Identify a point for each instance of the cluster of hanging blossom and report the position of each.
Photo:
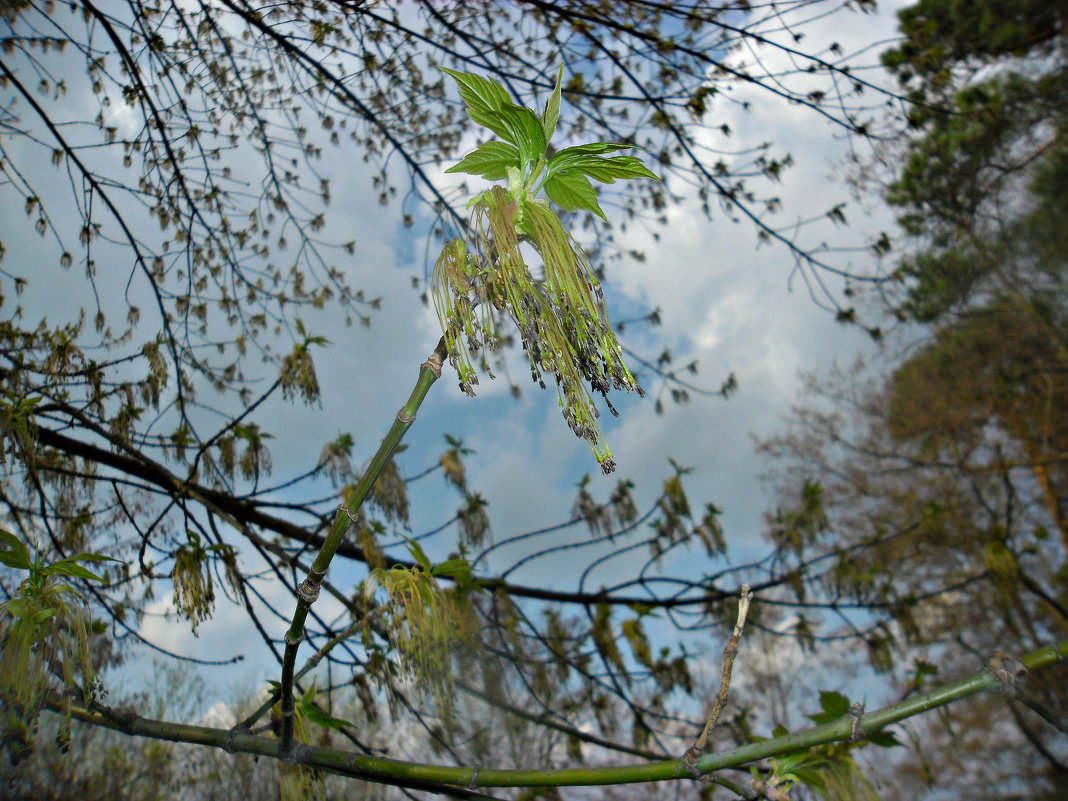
(561, 317)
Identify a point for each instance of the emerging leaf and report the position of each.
(490, 160)
(594, 148)
(68, 567)
(313, 713)
(884, 739)
(418, 554)
(18, 556)
(524, 130)
(573, 192)
(834, 705)
(551, 115)
(482, 96)
(600, 168)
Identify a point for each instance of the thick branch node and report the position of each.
(296, 754)
(124, 717)
(308, 591)
(436, 359)
(689, 760)
(856, 733)
(228, 743)
(1007, 672)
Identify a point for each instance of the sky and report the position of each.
(725, 301)
(733, 306)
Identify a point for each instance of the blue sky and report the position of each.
(725, 302)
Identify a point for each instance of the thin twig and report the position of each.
(730, 651)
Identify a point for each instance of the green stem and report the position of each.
(314, 660)
(436, 777)
(308, 590)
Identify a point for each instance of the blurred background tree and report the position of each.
(957, 459)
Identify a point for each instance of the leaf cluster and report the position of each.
(565, 175)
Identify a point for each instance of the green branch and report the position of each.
(463, 780)
(308, 591)
(312, 662)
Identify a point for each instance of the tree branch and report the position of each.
(464, 781)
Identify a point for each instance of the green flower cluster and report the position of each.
(45, 648)
(561, 317)
(423, 625)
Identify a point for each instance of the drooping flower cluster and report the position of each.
(561, 317)
(423, 626)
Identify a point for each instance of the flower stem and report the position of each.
(308, 590)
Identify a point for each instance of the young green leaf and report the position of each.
(595, 148)
(419, 555)
(523, 129)
(600, 168)
(318, 716)
(458, 569)
(810, 777)
(551, 115)
(483, 98)
(18, 557)
(834, 705)
(20, 608)
(97, 557)
(573, 191)
(883, 738)
(490, 160)
(478, 93)
(70, 567)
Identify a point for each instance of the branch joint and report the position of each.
(856, 732)
(308, 590)
(1006, 671)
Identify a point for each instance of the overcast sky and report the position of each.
(725, 302)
